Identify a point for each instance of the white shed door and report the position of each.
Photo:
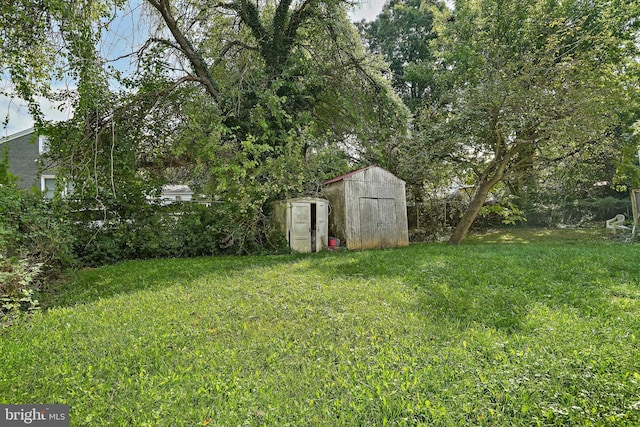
(322, 226)
(300, 227)
(378, 223)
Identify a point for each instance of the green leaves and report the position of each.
(402, 34)
(527, 86)
(48, 42)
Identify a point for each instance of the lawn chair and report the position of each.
(617, 223)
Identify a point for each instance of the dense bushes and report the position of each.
(34, 244)
(580, 211)
(18, 286)
(168, 231)
(33, 228)
(39, 238)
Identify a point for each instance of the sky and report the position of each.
(367, 10)
(19, 118)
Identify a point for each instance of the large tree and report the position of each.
(247, 96)
(245, 56)
(526, 83)
(284, 82)
(402, 33)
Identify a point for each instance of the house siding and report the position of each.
(23, 153)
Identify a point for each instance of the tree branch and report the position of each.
(200, 67)
(250, 15)
(577, 150)
(357, 63)
(166, 42)
(230, 45)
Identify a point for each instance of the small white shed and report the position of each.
(304, 222)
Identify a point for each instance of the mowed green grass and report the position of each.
(509, 329)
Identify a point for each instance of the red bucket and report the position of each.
(332, 242)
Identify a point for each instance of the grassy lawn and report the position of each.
(509, 329)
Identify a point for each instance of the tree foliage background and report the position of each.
(244, 101)
(525, 98)
(248, 102)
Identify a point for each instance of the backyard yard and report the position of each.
(512, 328)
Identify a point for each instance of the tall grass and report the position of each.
(540, 331)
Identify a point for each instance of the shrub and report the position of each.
(173, 231)
(33, 228)
(18, 284)
(578, 211)
(34, 244)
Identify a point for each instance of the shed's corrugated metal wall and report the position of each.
(337, 214)
(369, 209)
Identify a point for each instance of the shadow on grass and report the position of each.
(526, 235)
(492, 284)
(91, 284)
(496, 285)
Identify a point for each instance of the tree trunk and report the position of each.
(479, 196)
(486, 181)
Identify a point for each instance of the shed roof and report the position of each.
(355, 172)
(302, 199)
(348, 174)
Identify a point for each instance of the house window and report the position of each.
(48, 185)
(43, 144)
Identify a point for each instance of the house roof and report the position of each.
(16, 135)
(176, 189)
(346, 175)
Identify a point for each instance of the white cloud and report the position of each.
(19, 119)
(367, 10)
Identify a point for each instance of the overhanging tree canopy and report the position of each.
(402, 32)
(248, 95)
(526, 82)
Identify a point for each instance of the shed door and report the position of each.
(378, 223)
(300, 229)
(388, 224)
(321, 226)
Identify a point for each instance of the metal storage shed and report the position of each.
(304, 222)
(368, 209)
